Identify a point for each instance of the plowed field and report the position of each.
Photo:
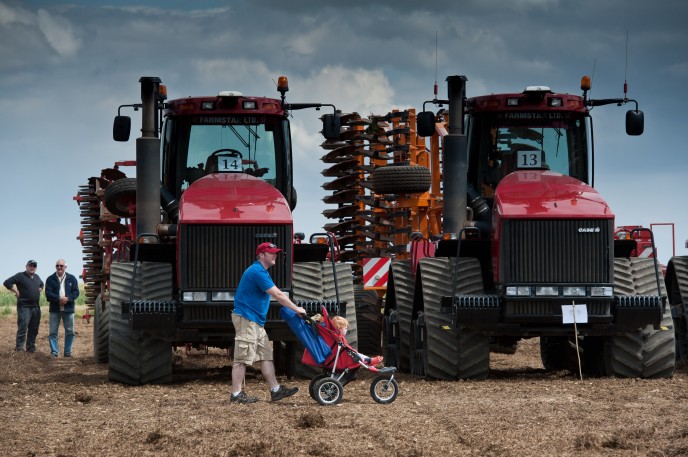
(67, 407)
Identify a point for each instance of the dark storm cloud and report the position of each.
(66, 67)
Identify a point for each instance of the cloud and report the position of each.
(349, 89)
(9, 15)
(679, 69)
(241, 72)
(67, 65)
(59, 32)
(24, 35)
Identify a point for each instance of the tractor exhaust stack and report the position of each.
(148, 161)
(455, 158)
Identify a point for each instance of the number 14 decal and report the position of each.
(229, 164)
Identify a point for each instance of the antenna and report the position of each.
(626, 70)
(435, 88)
(592, 78)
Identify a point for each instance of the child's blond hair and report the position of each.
(339, 322)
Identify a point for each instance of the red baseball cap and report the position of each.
(267, 247)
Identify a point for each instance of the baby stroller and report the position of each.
(341, 365)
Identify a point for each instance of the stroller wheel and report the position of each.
(328, 391)
(311, 385)
(384, 389)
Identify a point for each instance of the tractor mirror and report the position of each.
(425, 122)
(332, 126)
(121, 128)
(635, 122)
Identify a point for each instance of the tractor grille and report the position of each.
(215, 256)
(529, 309)
(556, 251)
(206, 313)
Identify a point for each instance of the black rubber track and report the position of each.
(138, 360)
(452, 353)
(369, 321)
(101, 331)
(646, 352)
(677, 292)
(403, 292)
(391, 345)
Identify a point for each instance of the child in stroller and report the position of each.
(327, 388)
(342, 325)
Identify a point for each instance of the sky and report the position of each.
(65, 67)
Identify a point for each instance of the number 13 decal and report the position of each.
(529, 159)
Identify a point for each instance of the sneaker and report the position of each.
(242, 398)
(377, 360)
(283, 392)
(53, 355)
(68, 354)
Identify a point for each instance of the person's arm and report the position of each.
(10, 283)
(52, 293)
(284, 300)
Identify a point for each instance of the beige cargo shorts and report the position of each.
(251, 343)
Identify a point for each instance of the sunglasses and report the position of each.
(60, 266)
(33, 265)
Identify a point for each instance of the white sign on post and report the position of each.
(574, 314)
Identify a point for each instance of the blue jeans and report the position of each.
(28, 321)
(67, 319)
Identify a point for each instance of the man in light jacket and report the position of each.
(61, 289)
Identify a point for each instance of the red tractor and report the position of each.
(496, 233)
(164, 251)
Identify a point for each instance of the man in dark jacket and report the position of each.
(27, 287)
(61, 289)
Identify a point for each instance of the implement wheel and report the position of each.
(401, 179)
(120, 197)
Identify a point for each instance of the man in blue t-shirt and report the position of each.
(251, 343)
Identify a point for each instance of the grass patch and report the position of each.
(8, 303)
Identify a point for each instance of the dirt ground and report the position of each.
(67, 407)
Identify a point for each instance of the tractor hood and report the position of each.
(236, 197)
(542, 194)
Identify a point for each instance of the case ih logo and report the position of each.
(588, 230)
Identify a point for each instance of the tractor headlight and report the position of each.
(602, 291)
(574, 291)
(222, 296)
(194, 296)
(549, 291)
(518, 291)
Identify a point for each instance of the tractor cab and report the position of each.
(535, 130)
(226, 134)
